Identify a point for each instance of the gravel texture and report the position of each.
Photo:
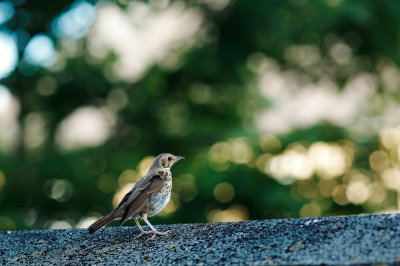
(361, 239)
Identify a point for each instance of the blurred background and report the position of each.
(281, 108)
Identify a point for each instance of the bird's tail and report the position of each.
(101, 222)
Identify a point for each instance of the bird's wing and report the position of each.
(138, 197)
(128, 197)
(132, 194)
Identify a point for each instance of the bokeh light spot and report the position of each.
(75, 22)
(224, 192)
(59, 189)
(291, 165)
(241, 151)
(379, 160)
(35, 130)
(6, 11)
(86, 222)
(391, 178)
(310, 210)
(40, 51)
(262, 162)
(269, 143)
(234, 213)
(2, 180)
(8, 54)
(127, 176)
(339, 195)
(304, 55)
(6, 223)
(341, 53)
(358, 192)
(85, 127)
(5, 98)
(30, 217)
(330, 159)
(129, 34)
(46, 85)
(390, 138)
(57, 224)
(220, 152)
(378, 193)
(9, 120)
(145, 164)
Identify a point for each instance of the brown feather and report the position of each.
(135, 207)
(155, 183)
(135, 191)
(101, 222)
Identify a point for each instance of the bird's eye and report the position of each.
(169, 158)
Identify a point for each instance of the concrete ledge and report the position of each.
(328, 240)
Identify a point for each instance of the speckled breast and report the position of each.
(158, 201)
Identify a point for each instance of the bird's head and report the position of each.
(165, 160)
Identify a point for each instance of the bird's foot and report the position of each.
(159, 234)
(144, 233)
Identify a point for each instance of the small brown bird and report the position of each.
(147, 197)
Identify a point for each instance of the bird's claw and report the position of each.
(144, 233)
(159, 234)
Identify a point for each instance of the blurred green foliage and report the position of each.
(203, 107)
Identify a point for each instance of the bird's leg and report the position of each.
(142, 232)
(144, 217)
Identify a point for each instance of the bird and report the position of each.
(146, 198)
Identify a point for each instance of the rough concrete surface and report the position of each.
(362, 239)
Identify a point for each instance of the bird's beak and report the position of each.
(178, 158)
